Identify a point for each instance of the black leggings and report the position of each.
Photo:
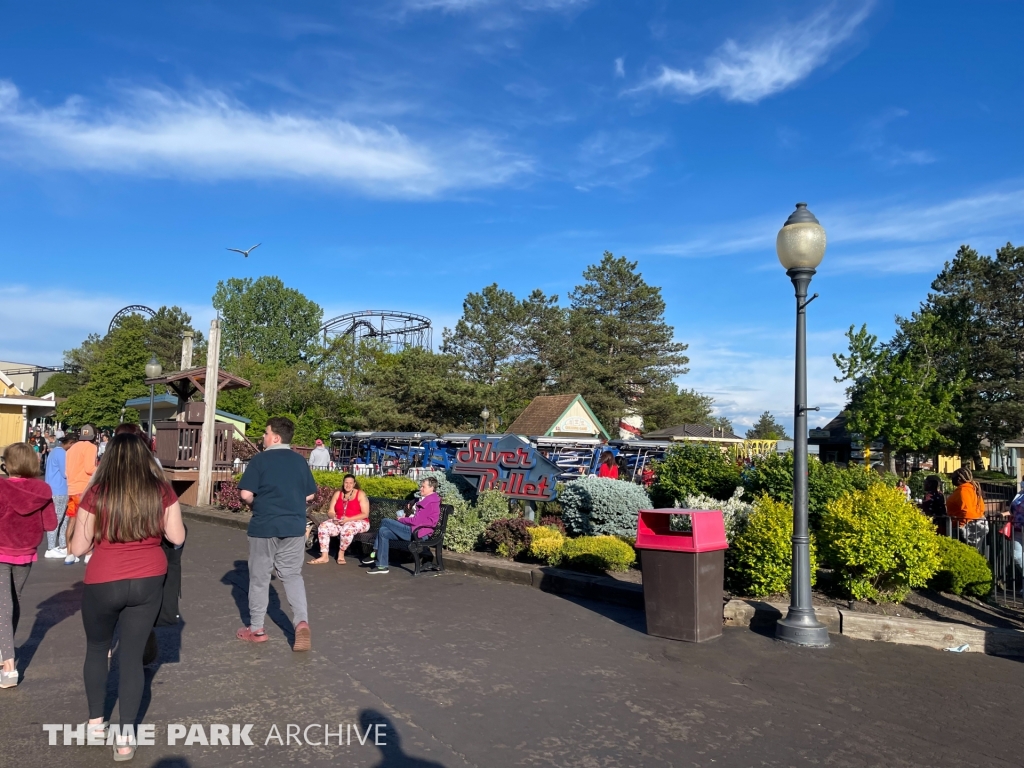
(134, 605)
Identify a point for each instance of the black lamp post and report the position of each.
(801, 246)
(153, 369)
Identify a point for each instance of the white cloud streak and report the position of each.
(463, 6)
(210, 136)
(749, 72)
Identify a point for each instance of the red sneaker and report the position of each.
(246, 634)
(302, 638)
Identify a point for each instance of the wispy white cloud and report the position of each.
(874, 142)
(210, 136)
(462, 6)
(615, 157)
(887, 236)
(620, 67)
(749, 72)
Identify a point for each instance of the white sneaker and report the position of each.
(88, 557)
(70, 560)
(56, 552)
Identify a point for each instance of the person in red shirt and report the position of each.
(123, 515)
(26, 510)
(608, 466)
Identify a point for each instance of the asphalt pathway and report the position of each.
(455, 671)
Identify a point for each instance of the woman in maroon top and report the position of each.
(122, 516)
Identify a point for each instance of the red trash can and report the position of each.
(684, 573)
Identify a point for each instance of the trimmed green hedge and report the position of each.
(602, 553)
(377, 487)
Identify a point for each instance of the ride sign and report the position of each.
(508, 464)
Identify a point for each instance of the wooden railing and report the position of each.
(178, 445)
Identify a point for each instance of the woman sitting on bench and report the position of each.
(349, 512)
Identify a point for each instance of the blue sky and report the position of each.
(399, 154)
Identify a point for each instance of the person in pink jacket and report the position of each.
(26, 511)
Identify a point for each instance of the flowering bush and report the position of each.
(600, 506)
(243, 449)
(735, 510)
(229, 497)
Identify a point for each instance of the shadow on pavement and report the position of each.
(51, 612)
(631, 618)
(169, 642)
(391, 752)
(238, 579)
(172, 762)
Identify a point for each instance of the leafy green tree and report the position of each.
(415, 390)
(895, 395)
(117, 367)
(690, 469)
(670, 406)
(266, 320)
(619, 347)
(165, 331)
(767, 428)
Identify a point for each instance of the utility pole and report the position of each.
(208, 446)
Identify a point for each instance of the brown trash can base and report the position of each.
(683, 594)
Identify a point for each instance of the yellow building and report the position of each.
(18, 410)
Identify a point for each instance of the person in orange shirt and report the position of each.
(966, 502)
(80, 466)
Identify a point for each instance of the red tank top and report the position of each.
(348, 508)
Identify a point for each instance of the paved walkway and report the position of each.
(463, 671)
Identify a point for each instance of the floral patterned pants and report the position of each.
(345, 531)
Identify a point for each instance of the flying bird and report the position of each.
(246, 253)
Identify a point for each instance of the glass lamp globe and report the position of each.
(153, 368)
(801, 241)
(485, 414)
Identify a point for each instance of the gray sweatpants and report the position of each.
(285, 556)
(58, 538)
(12, 581)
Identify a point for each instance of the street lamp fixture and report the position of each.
(485, 414)
(801, 247)
(153, 369)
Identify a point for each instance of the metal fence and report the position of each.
(997, 540)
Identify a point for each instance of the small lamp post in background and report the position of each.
(801, 246)
(153, 369)
(485, 414)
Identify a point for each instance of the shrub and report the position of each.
(509, 536)
(463, 532)
(879, 543)
(761, 557)
(546, 544)
(550, 521)
(243, 449)
(690, 469)
(229, 497)
(492, 505)
(772, 475)
(962, 570)
(598, 505)
(322, 500)
(735, 511)
(602, 553)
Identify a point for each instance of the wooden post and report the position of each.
(186, 351)
(207, 446)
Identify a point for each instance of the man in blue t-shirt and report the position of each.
(277, 483)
